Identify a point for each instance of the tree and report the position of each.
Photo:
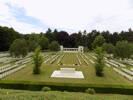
(98, 42)
(7, 36)
(63, 38)
(86, 49)
(99, 62)
(44, 43)
(32, 45)
(114, 38)
(49, 35)
(123, 49)
(37, 60)
(108, 47)
(19, 48)
(72, 40)
(54, 46)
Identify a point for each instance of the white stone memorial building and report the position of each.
(79, 49)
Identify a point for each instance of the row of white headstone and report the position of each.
(59, 60)
(10, 60)
(93, 56)
(108, 65)
(46, 55)
(78, 60)
(53, 60)
(4, 54)
(123, 74)
(85, 56)
(84, 59)
(92, 60)
(46, 61)
(127, 71)
(7, 59)
(7, 67)
(128, 61)
(111, 63)
(11, 71)
(29, 55)
(53, 56)
(117, 63)
(23, 61)
(26, 61)
(49, 59)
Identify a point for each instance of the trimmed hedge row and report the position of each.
(73, 87)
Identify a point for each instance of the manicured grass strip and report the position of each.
(57, 95)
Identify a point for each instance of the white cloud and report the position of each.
(113, 15)
(7, 19)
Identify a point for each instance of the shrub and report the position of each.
(61, 63)
(46, 89)
(90, 91)
(76, 64)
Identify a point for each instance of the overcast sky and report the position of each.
(28, 16)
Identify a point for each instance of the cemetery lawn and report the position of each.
(56, 95)
(110, 77)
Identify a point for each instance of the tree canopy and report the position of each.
(108, 47)
(19, 48)
(84, 38)
(98, 42)
(123, 49)
(54, 46)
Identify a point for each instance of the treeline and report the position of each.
(86, 39)
(8, 35)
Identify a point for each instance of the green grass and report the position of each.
(110, 77)
(69, 58)
(57, 95)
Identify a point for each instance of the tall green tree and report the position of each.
(98, 42)
(99, 66)
(37, 61)
(123, 49)
(44, 43)
(19, 48)
(54, 46)
(108, 47)
(7, 36)
(32, 45)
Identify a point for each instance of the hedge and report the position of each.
(73, 87)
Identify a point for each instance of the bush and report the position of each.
(76, 64)
(90, 91)
(61, 63)
(46, 89)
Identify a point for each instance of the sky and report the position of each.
(27, 16)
